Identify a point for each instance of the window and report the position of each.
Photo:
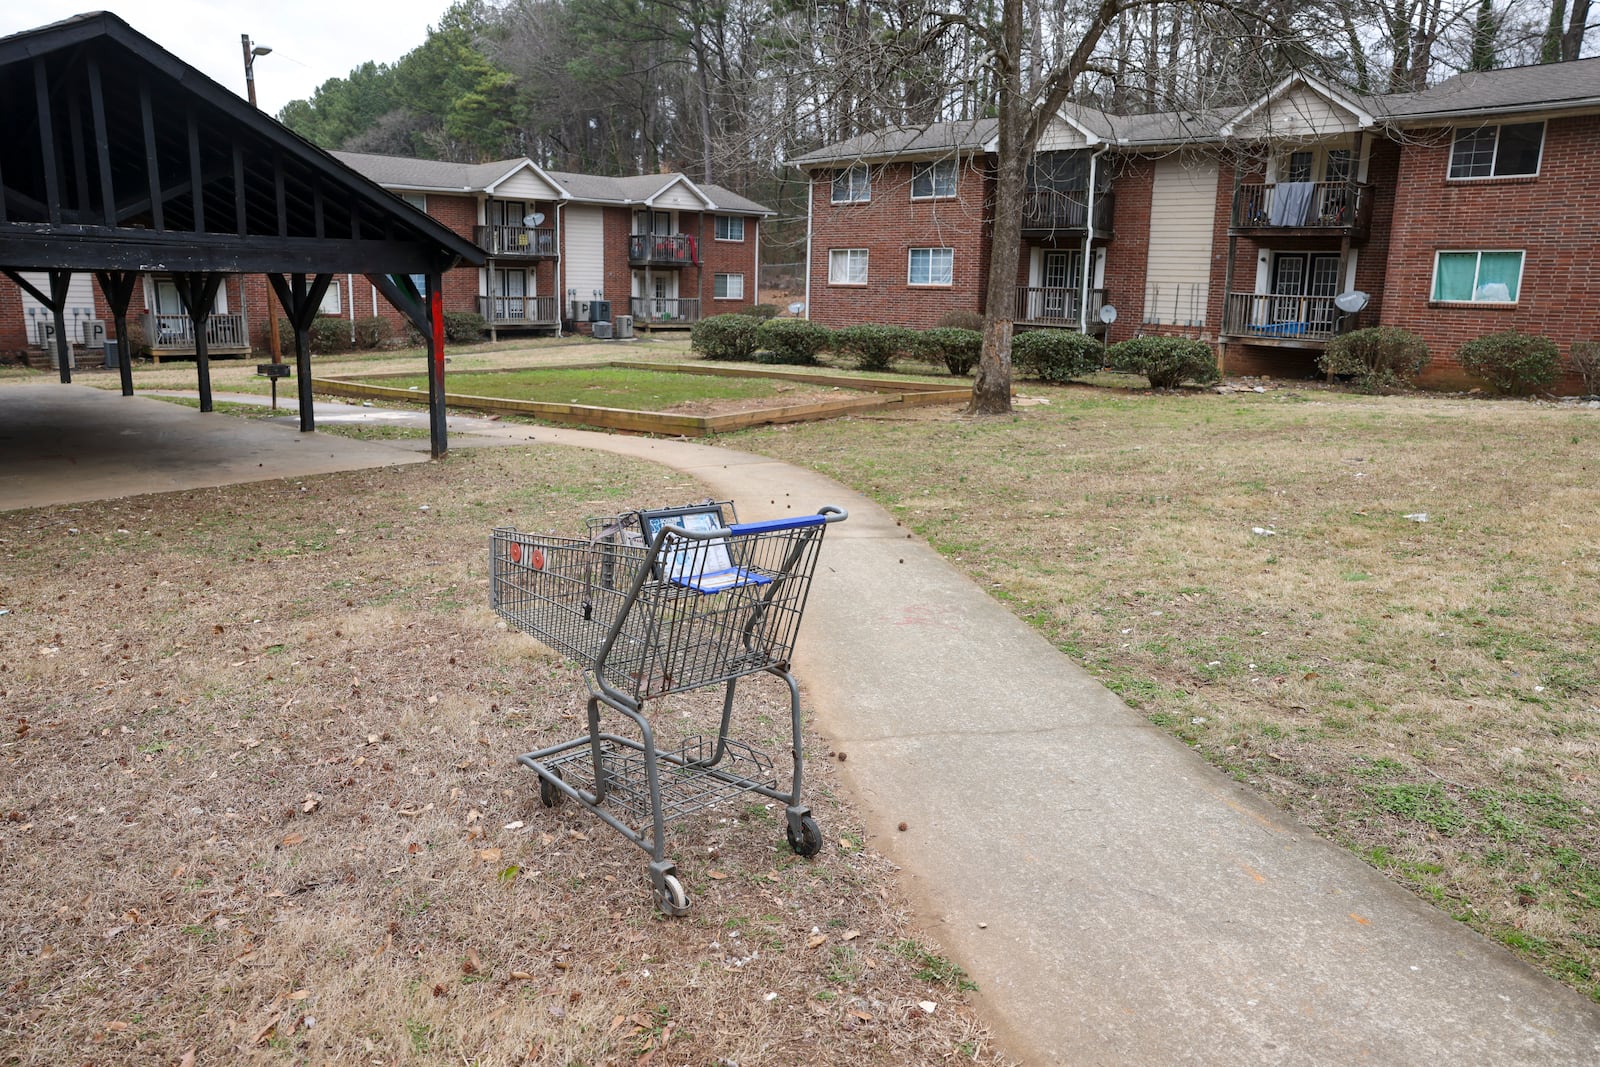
(730, 228)
(330, 300)
(929, 180)
(847, 266)
(1477, 277)
(931, 266)
(851, 186)
(729, 287)
(1497, 151)
(1338, 165)
(416, 200)
(1298, 167)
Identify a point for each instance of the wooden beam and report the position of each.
(102, 143)
(300, 303)
(403, 297)
(438, 435)
(197, 189)
(80, 157)
(37, 247)
(151, 157)
(60, 283)
(47, 142)
(241, 214)
(118, 289)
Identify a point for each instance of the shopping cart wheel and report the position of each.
(807, 841)
(674, 900)
(549, 794)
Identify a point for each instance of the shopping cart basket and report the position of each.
(691, 601)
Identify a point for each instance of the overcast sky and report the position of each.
(311, 40)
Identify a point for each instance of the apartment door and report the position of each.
(1062, 275)
(1303, 287)
(511, 291)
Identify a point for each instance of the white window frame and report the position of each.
(720, 282)
(725, 223)
(949, 256)
(930, 173)
(1433, 282)
(1494, 160)
(847, 256)
(854, 191)
(331, 302)
(416, 200)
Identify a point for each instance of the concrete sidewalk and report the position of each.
(1117, 900)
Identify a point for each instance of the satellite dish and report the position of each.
(1108, 314)
(1351, 302)
(533, 220)
(796, 307)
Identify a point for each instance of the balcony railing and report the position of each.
(1053, 210)
(1289, 319)
(518, 310)
(175, 333)
(516, 242)
(662, 250)
(1331, 206)
(659, 310)
(1040, 305)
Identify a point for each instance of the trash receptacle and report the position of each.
(113, 356)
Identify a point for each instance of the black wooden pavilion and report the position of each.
(119, 159)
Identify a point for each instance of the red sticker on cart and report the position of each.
(536, 559)
(516, 552)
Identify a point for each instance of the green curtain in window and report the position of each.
(1453, 279)
(1496, 269)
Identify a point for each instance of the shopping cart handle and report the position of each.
(828, 513)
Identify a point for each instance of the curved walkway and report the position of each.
(1117, 900)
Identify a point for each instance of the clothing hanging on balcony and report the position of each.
(1290, 201)
(694, 251)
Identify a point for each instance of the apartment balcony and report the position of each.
(516, 242)
(664, 311)
(671, 251)
(1283, 321)
(173, 335)
(1039, 305)
(519, 310)
(1303, 209)
(1050, 211)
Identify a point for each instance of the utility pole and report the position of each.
(251, 51)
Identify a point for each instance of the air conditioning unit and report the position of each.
(46, 332)
(580, 311)
(602, 330)
(623, 325)
(94, 332)
(599, 311)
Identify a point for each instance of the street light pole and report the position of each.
(252, 50)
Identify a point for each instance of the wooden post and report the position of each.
(60, 280)
(117, 285)
(300, 303)
(437, 431)
(198, 292)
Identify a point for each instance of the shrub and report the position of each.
(725, 337)
(791, 340)
(763, 311)
(372, 332)
(1055, 355)
(961, 320)
(1166, 361)
(463, 327)
(874, 346)
(1585, 356)
(1513, 363)
(957, 348)
(328, 333)
(1379, 357)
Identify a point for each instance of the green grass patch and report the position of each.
(613, 387)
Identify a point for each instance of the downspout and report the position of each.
(561, 267)
(1086, 268)
(350, 284)
(758, 260)
(811, 182)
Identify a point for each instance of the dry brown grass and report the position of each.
(260, 804)
(1242, 569)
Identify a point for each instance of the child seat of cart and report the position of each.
(710, 564)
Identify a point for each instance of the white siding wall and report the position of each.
(80, 294)
(678, 197)
(524, 185)
(1182, 210)
(1300, 113)
(585, 243)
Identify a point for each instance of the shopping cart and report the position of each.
(654, 603)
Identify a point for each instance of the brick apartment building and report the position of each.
(1468, 208)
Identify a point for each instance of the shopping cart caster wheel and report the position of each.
(549, 794)
(808, 841)
(671, 897)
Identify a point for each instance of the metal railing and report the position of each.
(1282, 318)
(174, 333)
(661, 250)
(518, 310)
(1302, 205)
(515, 241)
(660, 309)
(1043, 305)
(1051, 209)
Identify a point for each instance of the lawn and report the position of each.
(635, 390)
(259, 804)
(1379, 612)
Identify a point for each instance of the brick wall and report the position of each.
(889, 226)
(1128, 255)
(1553, 218)
(728, 257)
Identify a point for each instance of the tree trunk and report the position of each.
(1572, 40)
(991, 388)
